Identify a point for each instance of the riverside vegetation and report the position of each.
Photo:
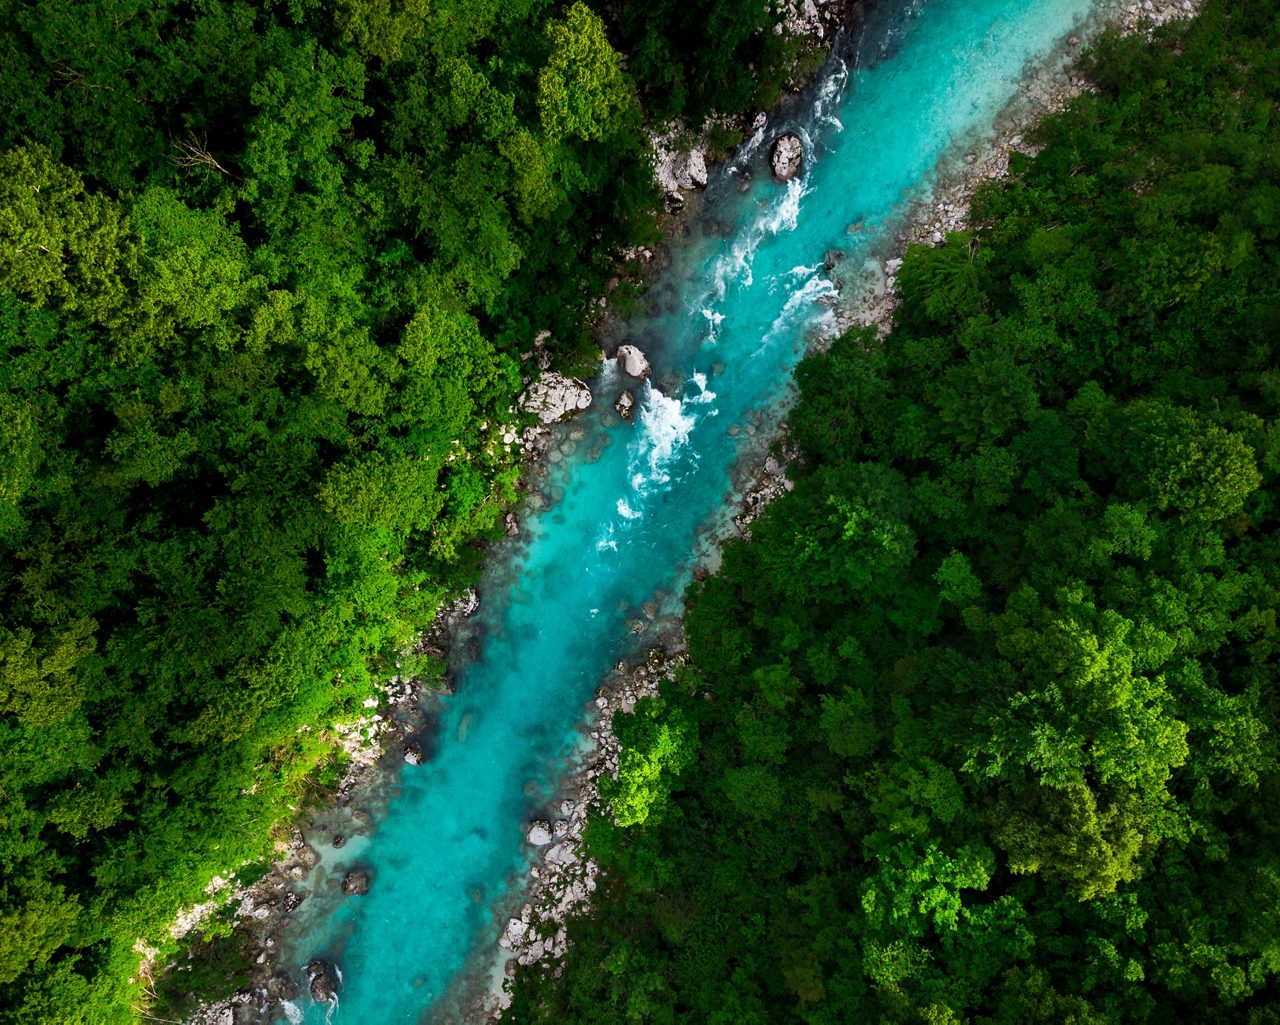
(267, 273)
(982, 726)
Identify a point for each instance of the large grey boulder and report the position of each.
(539, 833)
(625, 404)
(787, 157)
(632, 362)
(355, 883)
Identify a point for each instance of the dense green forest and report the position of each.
(983, 721)
(267, 272)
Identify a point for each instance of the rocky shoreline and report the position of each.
(946, 208)
(562, 880)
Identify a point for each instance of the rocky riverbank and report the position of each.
(562, 879)
(873, 289)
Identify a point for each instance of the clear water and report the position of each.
(631, 501)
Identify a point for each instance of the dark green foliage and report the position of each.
(693, 58)
(985, 712)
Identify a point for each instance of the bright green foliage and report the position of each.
(659, 744)
(266, 276)
(581, 91)
(986, 709)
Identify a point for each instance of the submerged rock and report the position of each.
(787, 157)
(338, 840)
(625, 403)
(355, 883)
(632, 362)
(323, 981)
(554, 396)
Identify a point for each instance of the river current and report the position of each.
(628, 505)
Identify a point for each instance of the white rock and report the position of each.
(562, 854)
(625, 403)
(696, 168)
(540, 833)
(554, 396)
(787, 157)
(632, 362)
(513, 935)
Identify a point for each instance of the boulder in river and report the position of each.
(355, 883)
(323, 981)
(625, 403)
(554, 396)
(632, 362)
(787, 157)
(540, 833)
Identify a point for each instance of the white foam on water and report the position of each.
(333, 1007)
(783, 215)
(802, 310)
(292, 1011)
(664, 431)
(830, 93)
(704, 395)
(714, 319)
(626, 512)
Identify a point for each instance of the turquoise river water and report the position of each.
(629, 504)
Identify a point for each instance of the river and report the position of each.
(627, 504)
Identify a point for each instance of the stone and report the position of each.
(322, 980)
(562, 854)
(539, 833)
(696, 168)
(554, 396)
(466, 606)
(513, 935)
(787, 157)
(625, 403)
(355, 883)
(632, 362)
(413, 753)
(338, 840)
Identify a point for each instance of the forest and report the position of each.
(267, 275)
(982, 721)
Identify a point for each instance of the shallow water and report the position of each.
(732, 313)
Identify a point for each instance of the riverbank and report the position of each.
(871, 293)
(576, 699)
(867, 298)
(374, 746)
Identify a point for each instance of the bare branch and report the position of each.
(192, 153)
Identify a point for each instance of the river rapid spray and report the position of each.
(598, 569)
